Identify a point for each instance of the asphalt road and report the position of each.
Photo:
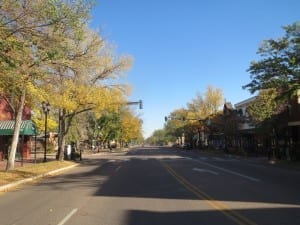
(159, 186)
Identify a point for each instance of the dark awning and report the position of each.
(27, 127)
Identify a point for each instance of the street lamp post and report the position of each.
(46, 109)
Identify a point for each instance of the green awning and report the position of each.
(27, 127)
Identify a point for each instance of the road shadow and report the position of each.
(259, 216)
(147, 181)
(91, 173)
(140, 217)
(147, 178)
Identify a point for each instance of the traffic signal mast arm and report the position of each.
(184, 119)
(140, 103)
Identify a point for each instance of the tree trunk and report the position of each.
(12, 155)
(61, 134)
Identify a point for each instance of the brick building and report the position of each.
(7, 123)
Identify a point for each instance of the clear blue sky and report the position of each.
(182, 46)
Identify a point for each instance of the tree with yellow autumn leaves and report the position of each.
(200, 115)
(48, 53)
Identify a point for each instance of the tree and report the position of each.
(194, 119)
(158, 137)
(109, 125)
(25, 44)
(265, 107)
(265, 112)
(81, 79)
(122, 126)
(176, 122)
(279, 66)
(204, 107)
(131, 126)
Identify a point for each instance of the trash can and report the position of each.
(68, 152)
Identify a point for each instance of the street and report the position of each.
(155, 185)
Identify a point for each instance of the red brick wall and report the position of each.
(5, 110)
(6, 113)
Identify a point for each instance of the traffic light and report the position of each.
(141, 104)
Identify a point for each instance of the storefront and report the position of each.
(27, 130)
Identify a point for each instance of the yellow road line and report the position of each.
(218, 205)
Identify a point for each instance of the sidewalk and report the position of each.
(263, 160)
(50, 157)
(291, 165)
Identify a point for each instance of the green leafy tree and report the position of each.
(265, 111)
(109, 126)
(279, 66)
(158, 137)
(265, 106)
(175, 125)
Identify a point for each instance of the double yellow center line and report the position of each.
(218, 205)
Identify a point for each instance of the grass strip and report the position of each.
(20, 173)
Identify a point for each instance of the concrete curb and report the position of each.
(9, 186)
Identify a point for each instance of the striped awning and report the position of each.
(27, 127)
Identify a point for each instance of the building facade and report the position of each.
(281, 139)
(7, 124)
